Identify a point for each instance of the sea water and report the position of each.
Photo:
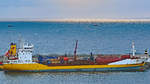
(60, 37)
(75, 78)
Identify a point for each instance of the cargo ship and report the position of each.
(21, 59)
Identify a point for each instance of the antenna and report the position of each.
(75, 50)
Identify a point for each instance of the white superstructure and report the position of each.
(23, 55)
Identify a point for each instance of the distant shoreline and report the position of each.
(75, 20)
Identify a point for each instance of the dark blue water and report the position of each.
(59, 38)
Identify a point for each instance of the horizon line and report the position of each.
(76, 20)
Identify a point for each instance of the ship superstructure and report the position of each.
(22, 55)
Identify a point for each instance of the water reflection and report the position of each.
(75, 77)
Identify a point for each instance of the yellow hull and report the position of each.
(1, 67)
(41, 67)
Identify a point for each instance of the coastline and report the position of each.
(74, 20)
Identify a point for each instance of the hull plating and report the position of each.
(40, 67)
(1, 67)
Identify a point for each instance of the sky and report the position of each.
(74, 9)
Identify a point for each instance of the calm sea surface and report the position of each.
(59, 38)
(75, 78)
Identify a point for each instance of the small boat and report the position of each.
(95, 24)
(10, 25)
(20, 59)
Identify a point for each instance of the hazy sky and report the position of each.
(76, 9)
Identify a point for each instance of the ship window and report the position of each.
(27, 48)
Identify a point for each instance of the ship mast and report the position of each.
(133, 49)
(21, 42)
(75, 51)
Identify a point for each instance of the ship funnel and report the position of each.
(12, 50)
